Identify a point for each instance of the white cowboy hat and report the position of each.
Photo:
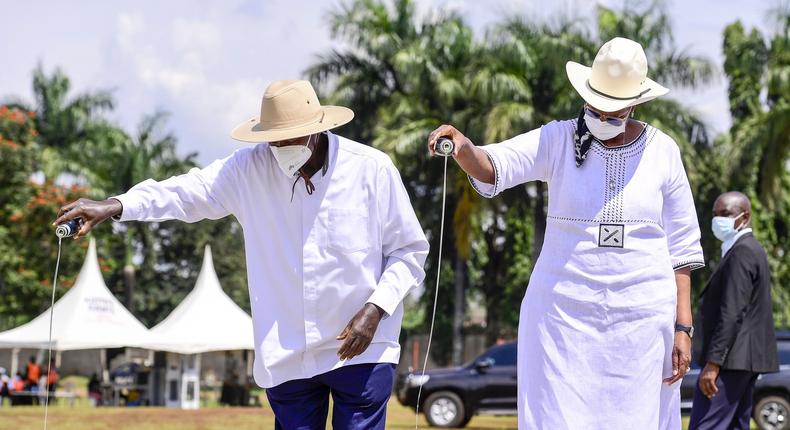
(617, 79)
(290, 109)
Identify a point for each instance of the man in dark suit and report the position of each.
(735, 322)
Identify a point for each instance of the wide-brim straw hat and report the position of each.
(290, 109)
(617, 79)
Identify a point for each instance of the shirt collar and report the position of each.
(727, 244)
(331, 157)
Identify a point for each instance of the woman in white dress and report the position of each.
(604, 332)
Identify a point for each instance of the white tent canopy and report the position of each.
(88, 316)
(206, 320)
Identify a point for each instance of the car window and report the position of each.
(782, 346)
(784, 351)
(504, 355)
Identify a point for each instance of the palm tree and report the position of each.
(65, 124)
(408, 77)
(757, 146)
(125, 161)
(522, 85)
(761, 129)
(405, 77)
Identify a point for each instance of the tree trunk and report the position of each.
(493, 323)
(458, 311)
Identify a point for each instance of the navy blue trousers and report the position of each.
(360, 394)
(730, 408)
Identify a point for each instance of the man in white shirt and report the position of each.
(329, 261)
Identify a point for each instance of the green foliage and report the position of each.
(27, 248)
(754, 155)
(66, 139)
(404, 75)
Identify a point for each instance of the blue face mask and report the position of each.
(724, 227)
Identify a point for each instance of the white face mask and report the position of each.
(602, 130)
(724, 227)
(291, 158)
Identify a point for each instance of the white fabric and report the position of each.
(206, 320)
(597, 323)
(728, 244)
(311, 263)
(88, 316)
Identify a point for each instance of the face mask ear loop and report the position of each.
(736, 219)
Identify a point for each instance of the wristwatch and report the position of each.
(689, 330)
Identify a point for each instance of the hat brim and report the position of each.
(579, 76)
(252, 131)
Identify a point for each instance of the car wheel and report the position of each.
(772, 413)
(445, 409)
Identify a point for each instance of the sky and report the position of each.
(208, 62)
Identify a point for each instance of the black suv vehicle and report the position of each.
(451, 397)
(771, 398)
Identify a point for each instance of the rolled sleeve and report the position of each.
(404, 245)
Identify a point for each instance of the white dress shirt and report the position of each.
(312, 263)
(727, 244)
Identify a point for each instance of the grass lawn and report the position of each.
(83, 417)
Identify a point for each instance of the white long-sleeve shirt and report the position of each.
(312, 263)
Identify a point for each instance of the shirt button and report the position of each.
(612, 184)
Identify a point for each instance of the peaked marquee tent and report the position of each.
(206, 320)
(88, 316)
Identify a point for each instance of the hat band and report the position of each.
(273, 126)
(601, 93)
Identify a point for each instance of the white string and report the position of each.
(435, 297)
(49, 343)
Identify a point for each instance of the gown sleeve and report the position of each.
(679, 217)
(521, 159)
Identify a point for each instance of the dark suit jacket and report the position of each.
(735, 320)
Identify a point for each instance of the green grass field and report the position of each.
(83, 417)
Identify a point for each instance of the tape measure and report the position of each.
(444, 147)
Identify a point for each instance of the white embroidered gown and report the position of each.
(596, 327)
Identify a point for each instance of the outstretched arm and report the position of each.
(195, 195)
(472, 160)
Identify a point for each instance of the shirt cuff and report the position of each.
(385, 298)
(132, 208)
(484, 189)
